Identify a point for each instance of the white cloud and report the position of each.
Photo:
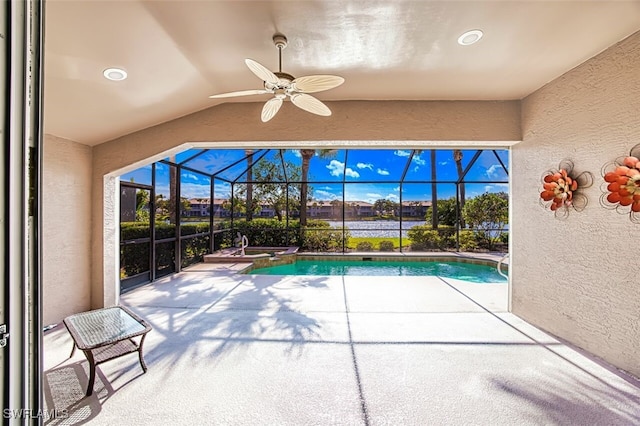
(374, 195)
(190, 176)
(352, 173)
(416, 168)
(296, 153)
(336, 168)
(443, 163)
(222, 190)
(396, 189)
(494, 171)
(324, 195)
(383, 172)
(418, 160)
(193, 190)
(365, 166)
(392, 197)
(499, 187)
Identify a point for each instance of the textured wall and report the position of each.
(66, 243)
(419, 123)
(579, 278)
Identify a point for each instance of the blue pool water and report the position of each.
(458, 270)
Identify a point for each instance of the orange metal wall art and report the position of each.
(562, 189)
(621, 188)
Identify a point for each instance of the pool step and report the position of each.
(232, 255)
(229, 258)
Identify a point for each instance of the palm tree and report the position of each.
(434, 185)
(434, 191)
(249, 153)
(457, 156)
(307, 155)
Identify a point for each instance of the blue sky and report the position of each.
(369, 174)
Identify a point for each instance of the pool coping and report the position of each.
(485, 259)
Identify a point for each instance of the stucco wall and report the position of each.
(417, 123)
(66, 223)
(578, 278)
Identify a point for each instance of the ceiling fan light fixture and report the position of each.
(115, 74)
(470, 37)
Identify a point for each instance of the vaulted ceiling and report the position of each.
(177, 53)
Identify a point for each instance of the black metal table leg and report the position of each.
(144, 366)
(92, 372)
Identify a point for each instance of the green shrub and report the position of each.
(504, 237)
(386, 245)
(424, 237)
(468, 240)
(364, 246)
(134, 230)
(134, 258)
(262, 232)
(194, 249)
(317, 236)
(321, 240)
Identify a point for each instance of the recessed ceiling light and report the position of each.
(470, 37)
(115, 74)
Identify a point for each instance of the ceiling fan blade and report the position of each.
(261, 71)
(270, 109)
(316, 83)
(310, 104)
(240, 93)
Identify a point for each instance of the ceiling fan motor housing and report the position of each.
(280, 41)
(284, 76)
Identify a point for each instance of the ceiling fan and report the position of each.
(283, 85)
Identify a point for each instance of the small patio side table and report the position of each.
(106, 334)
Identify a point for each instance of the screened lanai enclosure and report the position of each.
(175, 211)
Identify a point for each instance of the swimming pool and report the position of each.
(447, 269)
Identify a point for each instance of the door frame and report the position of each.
(21, 155)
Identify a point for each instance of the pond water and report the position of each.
(377, 228)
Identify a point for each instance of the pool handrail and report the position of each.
(499, 266)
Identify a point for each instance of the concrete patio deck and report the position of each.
(269, 350)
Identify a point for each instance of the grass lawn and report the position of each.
(375, 241)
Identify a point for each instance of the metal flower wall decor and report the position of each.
(562, 187)
(621, 188)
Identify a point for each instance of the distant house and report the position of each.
(198, 207)
(359, 209)
(267, 211)
(415, 208)
(201, 207)
(318, 209)
(218, 210)
(321, 209)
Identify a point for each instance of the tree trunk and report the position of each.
(173, 193)
(306, 154)
(434, 192)
(457, 156)
(249, 153)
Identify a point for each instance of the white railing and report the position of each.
(499, 266)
